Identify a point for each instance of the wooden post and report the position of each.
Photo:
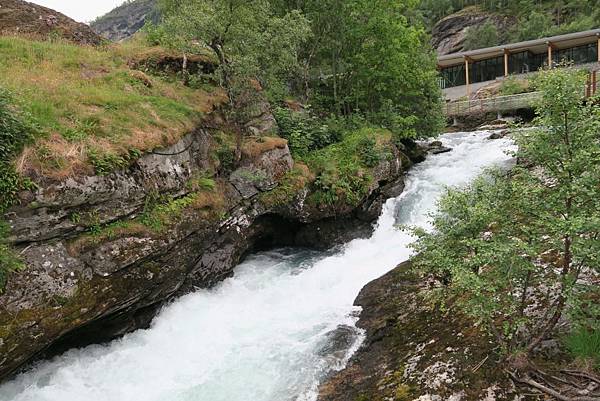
(506, 54)
(468, 80)
(549, 55)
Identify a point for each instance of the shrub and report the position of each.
(15, 131)
(306, 132)
(500, 242)
(367, 150)
(479, 37)
(513, 86)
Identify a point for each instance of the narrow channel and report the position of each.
(271, 332)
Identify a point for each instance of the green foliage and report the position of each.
(513, 86)
(99, 101)
(584, 344)
(534, 18)
(374, 58)
(249, 40)
(501, 242)
(368, 152)
(15, 131)
(9, 260)
(306, 132)
(107, 162)
(343, 170)
(532, 26)
(288, 187)
(478, 37)
(226, 156)
(161, 211)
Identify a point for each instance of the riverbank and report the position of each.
(416, 351)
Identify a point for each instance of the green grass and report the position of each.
(88, 99)
(584, 344)
(344, 170)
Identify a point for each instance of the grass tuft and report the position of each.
(584, 344)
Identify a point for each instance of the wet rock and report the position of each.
(338, 342)
(437, 147)
(414, 351)
(499, 134)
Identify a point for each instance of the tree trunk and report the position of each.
(184, 70)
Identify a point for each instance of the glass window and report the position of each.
(577, 55)
(453, 76)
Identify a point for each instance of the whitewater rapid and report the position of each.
(264, 334)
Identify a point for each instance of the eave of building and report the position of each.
(535, 46)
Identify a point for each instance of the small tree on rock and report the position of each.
(515, 250)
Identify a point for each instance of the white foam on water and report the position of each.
(261, 335)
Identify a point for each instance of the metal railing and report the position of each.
(493, 104)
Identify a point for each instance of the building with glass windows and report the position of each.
(463, 73)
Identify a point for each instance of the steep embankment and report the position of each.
(23, 18)
(125, 20)
(135, 193)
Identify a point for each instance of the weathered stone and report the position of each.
(74, 293)
(448, 35)
(414, 349)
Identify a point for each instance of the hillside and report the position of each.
(34, 21)
(125, 20)
(465, 25)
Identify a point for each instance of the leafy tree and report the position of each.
(370, 57)
(249, 40)
(512, 248)
(533, 26)
(478, 37)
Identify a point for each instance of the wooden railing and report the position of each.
(493, 104)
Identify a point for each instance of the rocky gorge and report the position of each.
(81, 288)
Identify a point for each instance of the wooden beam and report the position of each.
(550, 47)
(467, 78)
(506, 54)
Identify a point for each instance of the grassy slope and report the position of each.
(91, 108)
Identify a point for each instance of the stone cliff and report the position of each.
(448, 35)
(125, 20)
(94, 272)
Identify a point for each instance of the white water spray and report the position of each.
(265, 334)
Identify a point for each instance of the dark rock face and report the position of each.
(19, 17)
(414, 351)
(448, 35)
(79, 289)
(125, 20)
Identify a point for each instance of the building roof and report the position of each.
(535, 46)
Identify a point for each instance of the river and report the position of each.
(264, 334)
